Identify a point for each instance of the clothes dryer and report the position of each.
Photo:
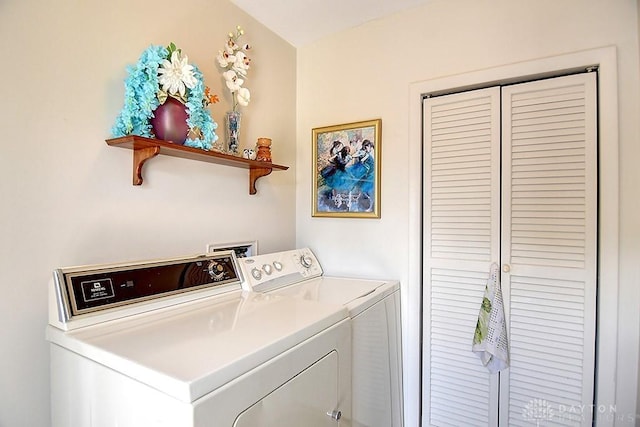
(374, 309)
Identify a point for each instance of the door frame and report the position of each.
(607, 301)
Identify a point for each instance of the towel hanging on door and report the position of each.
(490, 339)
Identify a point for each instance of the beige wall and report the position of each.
(367, 73)
(67, 198)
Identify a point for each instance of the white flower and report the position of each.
(231, 46)
(243, 96)
(177, 75)
(241, 64)
(231, 79)
(224, 59)
(235, 64)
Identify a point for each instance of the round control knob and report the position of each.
(267, 269)
(216, 270)
(257, 274)
(306, 261)
(277, 265)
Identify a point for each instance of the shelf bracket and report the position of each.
(254, 174)
(140, 156)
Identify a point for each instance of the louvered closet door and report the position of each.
(549, 242)
(461, 240)
(532, 210)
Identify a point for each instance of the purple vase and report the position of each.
(170, 121)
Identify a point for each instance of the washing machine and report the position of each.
(374, 309)
(178, 342)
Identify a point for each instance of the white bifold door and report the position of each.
(510, 177)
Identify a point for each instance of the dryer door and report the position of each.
(309, 399)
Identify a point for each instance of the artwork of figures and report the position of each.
(346, 168)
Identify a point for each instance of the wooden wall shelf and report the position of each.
(146, 148)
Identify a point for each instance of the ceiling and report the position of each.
(303, 21)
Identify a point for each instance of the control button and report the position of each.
(306, 261)
(216, 270)
(257, 274)
(277, 265)
(267, 269)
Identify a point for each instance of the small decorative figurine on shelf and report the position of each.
(249, 153)
(264, 150)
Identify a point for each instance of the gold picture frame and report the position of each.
(346, 170)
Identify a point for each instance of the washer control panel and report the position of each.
(87, 290)
(270, 271)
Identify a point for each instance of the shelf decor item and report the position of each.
(234, 61)
(346, 170)
(232, 122)
(264, 150)
(170, 121)
(166, 98)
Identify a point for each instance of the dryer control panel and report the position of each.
(266, 272)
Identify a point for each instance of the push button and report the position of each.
(267, 269)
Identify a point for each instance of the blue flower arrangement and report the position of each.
(159, 73)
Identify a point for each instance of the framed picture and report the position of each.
(346, 170)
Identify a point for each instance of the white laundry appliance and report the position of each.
(178, 343)
(374, 307)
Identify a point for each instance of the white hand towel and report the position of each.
(490, 339)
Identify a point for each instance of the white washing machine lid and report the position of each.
(355, 294)
(191, 350)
